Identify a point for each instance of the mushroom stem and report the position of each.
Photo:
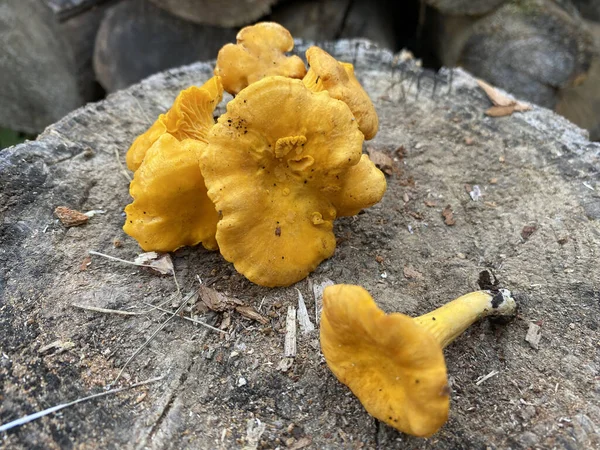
(449, 321)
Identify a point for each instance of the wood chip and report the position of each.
(160, 263)
(448, 216)
(306, 326)
(318, 289)
(534, 335)
(70, 217)
(381, 160)
(411, 273)
(430, 204)
(290, 333)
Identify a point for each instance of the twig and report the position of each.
(108, 311)
(45, 412)
(486, 377)
(188, 318)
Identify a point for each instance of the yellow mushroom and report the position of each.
(337, 78)
(170, 207)
(190, 117)
(259, 52)
(394, 363)
(276, 167)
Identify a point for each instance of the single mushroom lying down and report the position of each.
(280, 166)
(394, 363)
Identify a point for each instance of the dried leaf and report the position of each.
(500, 111)
(381, 160)
(503, 105)
(250, 313)
(497, 97)
(412, 274)
(70, 217)
(162, 264)
(448, 216)
(216, 301)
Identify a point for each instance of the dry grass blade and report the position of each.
(199, 322)
(161, 326)
(45, 412)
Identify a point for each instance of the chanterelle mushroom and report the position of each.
(337, 78)
(393, 363)
(190, 117)
(259, 52)
(276, 168)
(170, 207)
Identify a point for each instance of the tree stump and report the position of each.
(535, 223)
(137, 39)
(225, 13)
(45, 66)
(532, 48)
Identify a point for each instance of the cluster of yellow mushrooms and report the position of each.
(264, 184)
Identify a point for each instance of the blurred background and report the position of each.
(57, 55)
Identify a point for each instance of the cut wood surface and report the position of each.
(137, 39)
(465, 7)
(224, 13)
(532, 48)
(45, 66)
(535, 223)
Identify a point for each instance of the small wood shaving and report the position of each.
(306, 326)
(484, 378)
(430, 204)
(250, 313)
(534, 335)
(448, 216)
(290, 333)
(411, 273)
(318, 289)
(70, 217)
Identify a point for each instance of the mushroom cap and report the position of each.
(259, 52)
(364, 185)
(190, 117)
(273, 164)
(170, 208)
(394, 367)
(326, 73)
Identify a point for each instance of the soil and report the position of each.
(535, 227)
